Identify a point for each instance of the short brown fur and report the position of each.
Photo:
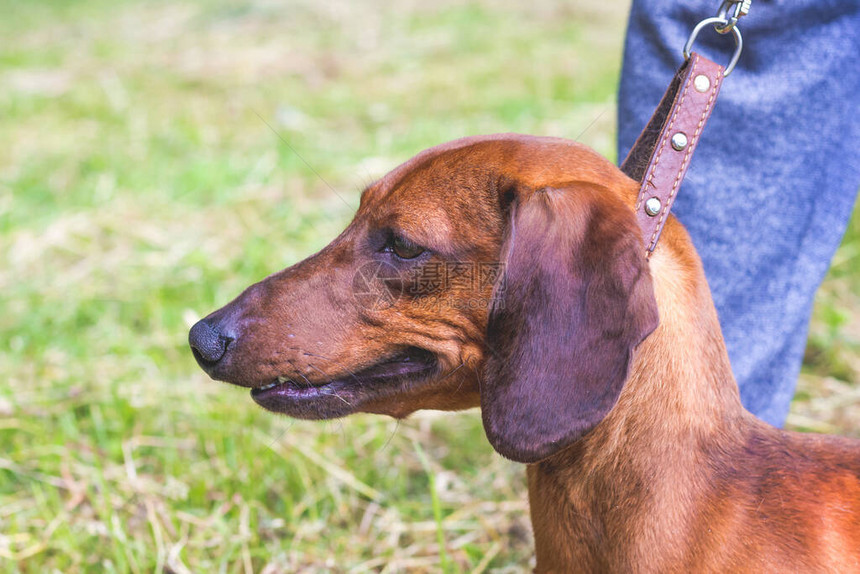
(671, 475)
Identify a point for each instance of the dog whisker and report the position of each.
(393, 433)
(320, 371)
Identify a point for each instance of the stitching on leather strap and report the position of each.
(663, 143)
(691, 146)
(665, 170)
(689, 154)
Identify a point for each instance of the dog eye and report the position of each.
(405, 249)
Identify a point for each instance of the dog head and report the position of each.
(501, 271)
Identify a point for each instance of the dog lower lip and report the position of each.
(341, 396)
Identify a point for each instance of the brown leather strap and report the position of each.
(660, 157)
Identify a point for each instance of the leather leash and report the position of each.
(661, 155)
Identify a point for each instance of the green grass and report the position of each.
(141, 187)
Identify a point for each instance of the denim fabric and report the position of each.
(771, 187)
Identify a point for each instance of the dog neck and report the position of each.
(637, 471)
(681, 373)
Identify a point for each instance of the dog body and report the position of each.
(641, 457)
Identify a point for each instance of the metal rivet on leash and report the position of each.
(679, 141)
(702, 83)
(653, 206)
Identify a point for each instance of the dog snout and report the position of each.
(208, 343)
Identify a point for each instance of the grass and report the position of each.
(141, 186)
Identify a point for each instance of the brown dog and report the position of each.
(509, 272)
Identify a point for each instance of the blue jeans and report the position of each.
(771, 188)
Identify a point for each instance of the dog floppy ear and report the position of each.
(574, 300)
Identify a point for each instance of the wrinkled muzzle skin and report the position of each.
(392, 316)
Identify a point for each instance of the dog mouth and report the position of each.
(336, 397)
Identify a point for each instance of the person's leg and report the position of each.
(771, 187)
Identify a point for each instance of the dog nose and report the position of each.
(208, 343)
